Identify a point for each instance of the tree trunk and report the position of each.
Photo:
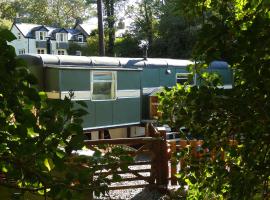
(111, 22)
(101, 45)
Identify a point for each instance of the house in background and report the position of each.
(41, 39)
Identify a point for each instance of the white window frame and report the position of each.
(19, 36)
(40, 51)
(21, 51)
(80, 37)
(61, 37)
(113, 81)
(184, 77)
(41, 35)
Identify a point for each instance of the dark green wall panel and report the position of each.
(104, 113)
(126, 110)
(165, 78)
(89, 120)
(128, 80)
(75, 80)
(52, 79)
(150, 77)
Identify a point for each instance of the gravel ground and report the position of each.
(137, 193)
(134, 194)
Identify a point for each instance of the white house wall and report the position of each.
(28, 44)
(19, 43)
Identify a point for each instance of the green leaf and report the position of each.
(32, 133)
(60, 153)
(4, 169)
(82, 103)
(48, 164)
(7, 35)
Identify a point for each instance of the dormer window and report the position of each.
(41, 35)
(80, 38)
(61, 37)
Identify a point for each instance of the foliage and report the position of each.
(5, 24)
(90, 49)
(232, 31)
(145, 20)
(169, 32)
(38, 137)
(56, 13)
(127, 46)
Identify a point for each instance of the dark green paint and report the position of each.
(75, 79)
(52, 79)
(128, 80)
(126, 111)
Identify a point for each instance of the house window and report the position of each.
(21, 51)
(61, 52)
(78, 53)
(80, 38)
(182, 78)
(61, 37)
(41, 35)
(19, 36)
(41, 51)
(103, 85)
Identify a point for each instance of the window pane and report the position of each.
(103, 85)
(102, 76)
(182, 78)
(102, 90)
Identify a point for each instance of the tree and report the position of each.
(61, 13)
(127, 46)
(111, 9)
(38, 137)
(230, 31)
(145, 17)
(177, 31)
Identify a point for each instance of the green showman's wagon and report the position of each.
(116, 90)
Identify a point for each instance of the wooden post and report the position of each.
(183, 144)
(173, 164)
(147, 130)
(154, 163)
(163, 161)
(128, 132)
(163, 169)
(101, 134)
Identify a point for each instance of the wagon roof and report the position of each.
(112, 62)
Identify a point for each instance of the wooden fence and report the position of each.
(156, 175)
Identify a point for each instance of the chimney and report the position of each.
(78, 21)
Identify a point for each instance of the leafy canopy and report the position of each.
(237, 32)
(38, 137)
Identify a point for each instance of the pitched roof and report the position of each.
(28, 30)
(88, 27)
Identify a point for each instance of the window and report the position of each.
(41, 35)
(61, 52)
(182, 78)
(61, 37)
(80, 38)
(103, 85)
(21, 51)
(19, 36)
(78, 53)
(41, 51)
